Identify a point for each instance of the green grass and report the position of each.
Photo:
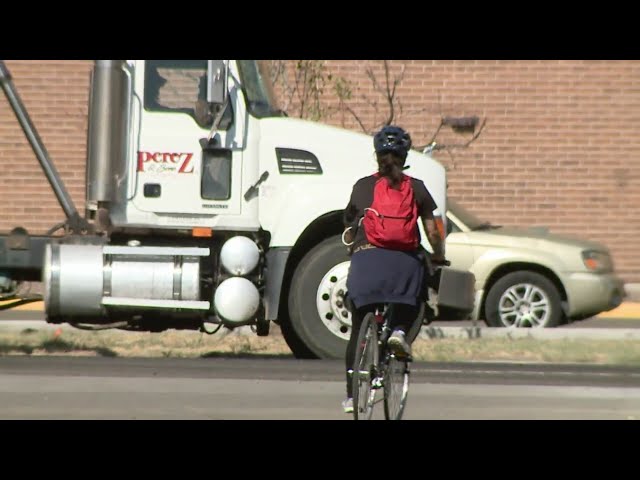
(132, 344)
(612, 352)
(187, 344)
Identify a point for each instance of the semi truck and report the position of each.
(206, 207)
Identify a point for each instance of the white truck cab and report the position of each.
(184, 157)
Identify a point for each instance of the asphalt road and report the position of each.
(279, 389)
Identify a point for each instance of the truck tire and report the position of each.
(523, 299)
(325, 338)
(294, 342)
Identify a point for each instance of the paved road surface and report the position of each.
(228, 388)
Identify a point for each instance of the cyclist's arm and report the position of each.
(349, 236)
(433, 236)
(349, 219)
(426, 207)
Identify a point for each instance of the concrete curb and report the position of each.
(431, 333)
(633, 292)
(628, 309)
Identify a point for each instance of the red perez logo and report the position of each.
(165, 162)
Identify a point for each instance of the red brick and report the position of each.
(558, 133)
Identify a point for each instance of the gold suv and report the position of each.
(529, 277)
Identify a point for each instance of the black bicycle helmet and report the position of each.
(392, 139)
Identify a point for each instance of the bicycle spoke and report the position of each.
(364, 371)
(396, 388)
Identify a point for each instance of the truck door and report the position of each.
(173, 176)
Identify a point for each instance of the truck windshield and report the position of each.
(261, 100)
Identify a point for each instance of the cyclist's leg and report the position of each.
(404, 315)
(402, 319)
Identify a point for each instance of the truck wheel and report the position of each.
(523, 299)
(317, 312)
(295, 344)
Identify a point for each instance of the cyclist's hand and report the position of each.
(440, 260)
(437, 258)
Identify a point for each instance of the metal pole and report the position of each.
(38, 147)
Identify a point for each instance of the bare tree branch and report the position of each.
(453, 159)
(388, 95)
(400, 108)
(396, 82)
(473, 139)
(433, 137)
(389, 90)
(372, 103)
(279, 74)
(374, 81)
(306, 91)
(350, 110)
(303, 97)
(414, 112)
(449, 147)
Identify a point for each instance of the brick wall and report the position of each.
(56, 95)
(560, 147)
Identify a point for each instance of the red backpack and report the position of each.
(392, 220)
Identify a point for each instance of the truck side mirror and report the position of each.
(217, 74)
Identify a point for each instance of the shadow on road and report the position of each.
(252, 355)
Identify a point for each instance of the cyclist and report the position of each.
(387, 261)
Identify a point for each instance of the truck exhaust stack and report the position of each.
(107, 134)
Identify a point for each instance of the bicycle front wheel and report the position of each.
(396, 387)
(364, 369)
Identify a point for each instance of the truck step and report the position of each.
(151, 303)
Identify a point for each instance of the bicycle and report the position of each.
(377, 367)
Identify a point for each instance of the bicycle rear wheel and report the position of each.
(396, 387)
(364, 368)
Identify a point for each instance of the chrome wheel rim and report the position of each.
(524, 306)
(330, 301)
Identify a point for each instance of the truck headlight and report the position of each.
(597, 261)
